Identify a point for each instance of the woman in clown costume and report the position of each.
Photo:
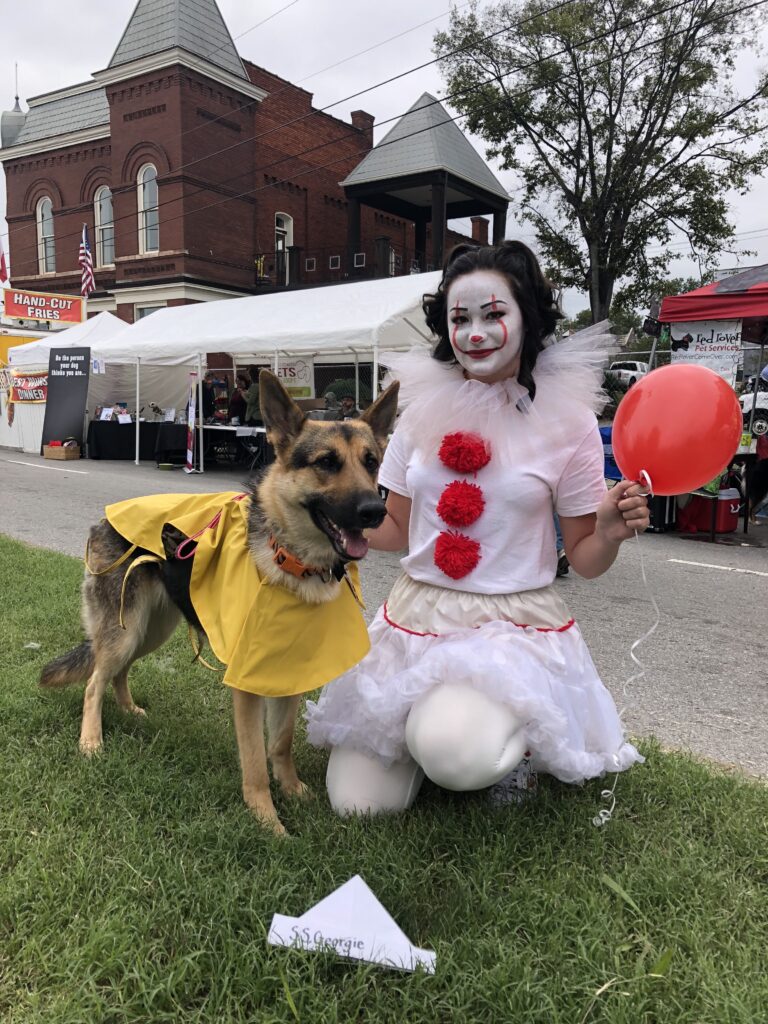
(475, 661)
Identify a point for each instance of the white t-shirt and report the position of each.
(552, 469)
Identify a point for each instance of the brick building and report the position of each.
(201, 176)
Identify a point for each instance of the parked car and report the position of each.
(760, 422)
(628, 371)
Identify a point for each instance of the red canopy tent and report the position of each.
(739, 297)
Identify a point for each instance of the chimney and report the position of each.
(479, 230)
(364, 123)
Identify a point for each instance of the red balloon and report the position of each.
(681, 424)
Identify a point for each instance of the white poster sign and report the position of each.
(297, 377)
(715, 344)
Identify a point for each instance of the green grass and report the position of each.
(136, 888)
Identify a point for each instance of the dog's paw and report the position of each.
(297, 790)
(262, 808)
(277, 828)
(136, 710)
(91, 747)
(270, 822)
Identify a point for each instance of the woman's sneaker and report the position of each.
(520, 785)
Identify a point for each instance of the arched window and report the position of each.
(283, 239)
(149, 216)
(105, 228)
(46, 246)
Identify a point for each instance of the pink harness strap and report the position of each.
(208, 526)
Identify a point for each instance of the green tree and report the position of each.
(575, 323)
(623, 319)
(622, 123)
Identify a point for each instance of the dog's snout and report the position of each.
(371, 512)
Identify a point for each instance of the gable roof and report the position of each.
(192, 25)
(426, 139)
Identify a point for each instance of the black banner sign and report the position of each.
(68, 372)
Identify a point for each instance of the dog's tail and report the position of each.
(73, 667)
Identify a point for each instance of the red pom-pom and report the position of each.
(464, 453)
(461, 503)
(456, 554)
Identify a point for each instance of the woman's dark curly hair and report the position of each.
(531, 289)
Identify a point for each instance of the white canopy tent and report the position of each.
(361, 318)
(87, 334)
(27, 428)
(166, 388)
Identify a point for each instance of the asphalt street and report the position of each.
(705, 687)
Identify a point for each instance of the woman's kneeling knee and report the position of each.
(463, 739)
(359, 784)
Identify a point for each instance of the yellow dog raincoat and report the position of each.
(271, 642)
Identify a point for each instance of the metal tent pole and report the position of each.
(357, 379)
(652, 356)
(138, 374)
(375, 381)
(757, 386)
(200, 407)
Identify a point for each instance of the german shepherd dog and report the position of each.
(314, 500)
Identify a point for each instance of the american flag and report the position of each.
(87, 283)
(3, 265)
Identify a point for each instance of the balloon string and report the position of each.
(649, 593)
(605, 814)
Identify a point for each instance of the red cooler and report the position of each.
(728, 502)
(696, 517)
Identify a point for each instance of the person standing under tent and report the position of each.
(252, 408)
(238, 402)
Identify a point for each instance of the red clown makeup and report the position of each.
(485, 325)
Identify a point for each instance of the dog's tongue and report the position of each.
(355, 544)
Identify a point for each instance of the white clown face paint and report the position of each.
(485, 326)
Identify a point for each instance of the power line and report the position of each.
(469, 91)
(369, 49)
(329, 67)
(493, 78)
(379, 85)
(586, 42)
(350, 134)
(746, 235)
(249, 192)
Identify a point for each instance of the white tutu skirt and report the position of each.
(523, 650)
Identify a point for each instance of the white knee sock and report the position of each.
(462, 739)
(359, 784)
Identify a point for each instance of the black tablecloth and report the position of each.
(171, 443)
(220, 446)
(110, 440)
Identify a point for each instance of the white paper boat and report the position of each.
(353, 924)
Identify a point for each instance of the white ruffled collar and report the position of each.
(437, 399)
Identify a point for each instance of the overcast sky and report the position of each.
(58, 43)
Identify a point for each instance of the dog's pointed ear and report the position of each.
(381, 415)
(282, 417)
